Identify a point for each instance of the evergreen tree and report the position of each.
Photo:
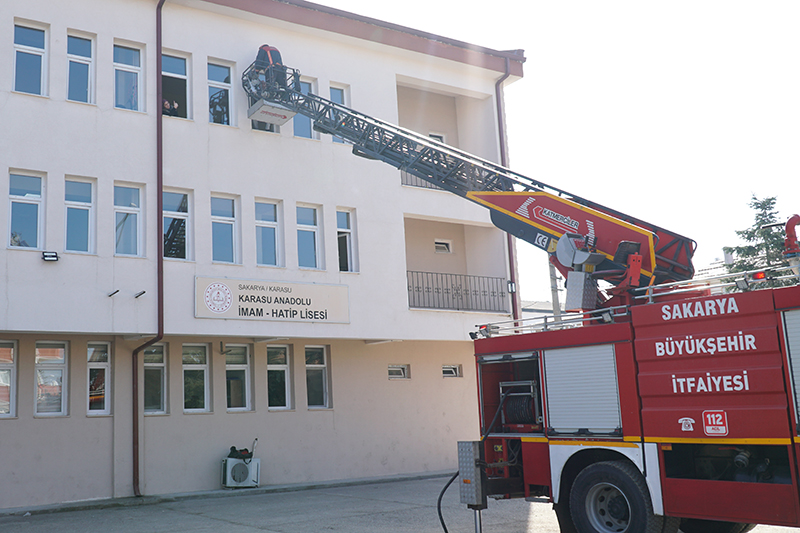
(764, 248)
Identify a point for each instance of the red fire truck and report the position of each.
(660, 402)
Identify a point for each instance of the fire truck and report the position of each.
(658, 402)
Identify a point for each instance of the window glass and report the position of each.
(7, 379)
(222, 229)
(219, 73)
(99, 373)
(154, 380)
(337, 97)
(29, 37)
(266, 234)
(78, 191)
(278, 376)
(222, 207)
(126, 196)
(176, 208)
(127, 220)
(307, 216)
(51, 369)
(126, 56)
(25, 186)
(237, 377)
(78, 46)
(173, 65)
(344, 238)
(315, 356)
(266, 212)
(307, 242)
(316, 376)
(195, 378)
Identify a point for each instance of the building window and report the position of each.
(302, 124)
(308, 237)
(29, 59)
(439, 137)
(337, 97)
(237, 377)
(127, 71)
(173, 86)
(51, 378)
(80, 69)
(267, 233)
(442, 246)
(451, 371)
(176, 223)
(223, 229)
(278, 389)
(25, 194)
(80, 216)
(127, 211)
(195, 378)
(99, 365)
(8, 379)
(399, 371)
(317, 376)
(344, 238)
(219, 90)
(155, 380)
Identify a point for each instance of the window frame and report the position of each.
(32, 200)
(132, 69)
(206, 368)
(452, 371)
(89, 62)
(286, 368)
(349, 235)
(164, 382)
(177, 76)
(400, 372)
(443, 243)
(316, 231)
(11, 368)
(32, 50)
(186, 217)
(63, 367)
(275, 225)
(138, 211)
(325, 377)
(231, 221)
(237, 367)
(107, 380)
(82, 206)
(221, 85)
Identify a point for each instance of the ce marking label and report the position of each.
(542, 241)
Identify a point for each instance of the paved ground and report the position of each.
(401, 506)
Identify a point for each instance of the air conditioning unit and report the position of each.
(239, 473)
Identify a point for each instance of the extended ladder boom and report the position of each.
(528, 209)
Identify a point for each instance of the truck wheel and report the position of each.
(695, 525)
(612, 497)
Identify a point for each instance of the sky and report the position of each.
(675, 112)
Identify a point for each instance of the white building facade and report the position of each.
(317, 301)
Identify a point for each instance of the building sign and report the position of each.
(271, 300)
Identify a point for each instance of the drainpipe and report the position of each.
(501, 127)
(160, 256)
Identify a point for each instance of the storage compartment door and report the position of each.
(582, 392)
(791, 330)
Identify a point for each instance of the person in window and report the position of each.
(169, 109)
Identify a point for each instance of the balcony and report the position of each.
(458, 292)
(413, 181)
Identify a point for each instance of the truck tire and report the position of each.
(695, 525)
(612, 497)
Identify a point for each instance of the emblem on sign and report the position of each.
(715, 423)
(218, 297)
(687, 424)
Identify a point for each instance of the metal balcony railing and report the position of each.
(433, 290)
(414, 181)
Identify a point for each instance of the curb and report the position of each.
(133, 501)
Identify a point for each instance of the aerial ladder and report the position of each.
(586, 241)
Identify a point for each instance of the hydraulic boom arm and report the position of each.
(528, 209)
